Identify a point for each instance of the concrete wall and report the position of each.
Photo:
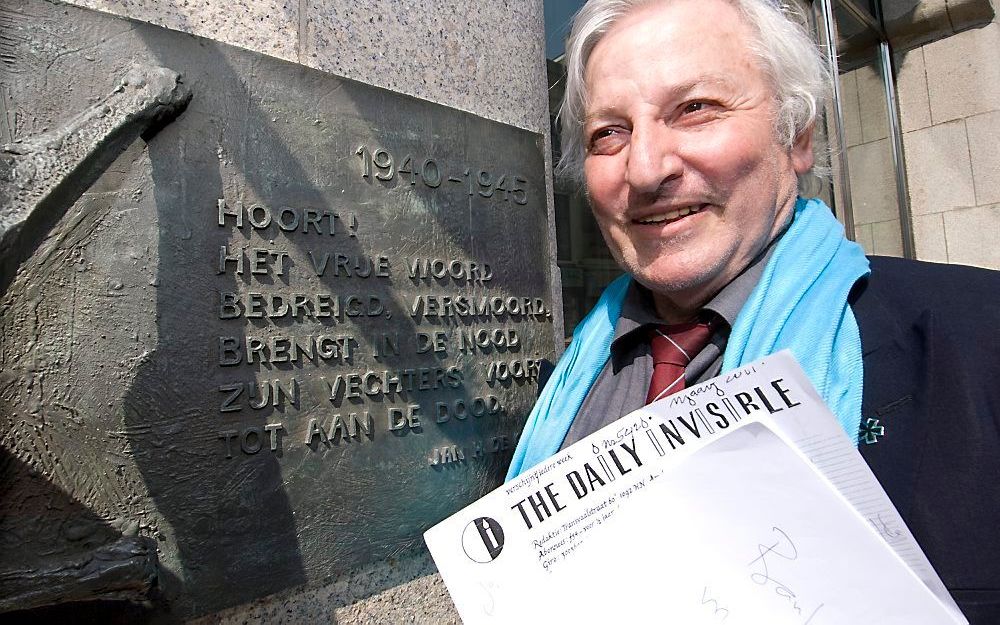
(483, 57)
(949, 93)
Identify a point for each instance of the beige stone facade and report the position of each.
(869, 160)
(950, 114)
(948, 92)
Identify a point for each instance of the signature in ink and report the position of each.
(884, 529)
(783, 549)
(718, 611)
(624, 431)
(738, 373)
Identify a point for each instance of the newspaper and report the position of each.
(739, 500)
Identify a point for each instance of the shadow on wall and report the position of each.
(912, 23)
(52, 549)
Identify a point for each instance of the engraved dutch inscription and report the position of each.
(299, 324)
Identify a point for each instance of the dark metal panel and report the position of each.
(285, 334)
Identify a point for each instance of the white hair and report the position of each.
(781, 42)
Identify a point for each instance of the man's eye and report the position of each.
(694, 107)
(601, 134)
(606, 141)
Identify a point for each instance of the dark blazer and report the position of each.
(930, 335)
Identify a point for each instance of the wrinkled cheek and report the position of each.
(603, 179)
(731, 174)
(615, 238)
(591, 179)
(622, 248)
(606, 216)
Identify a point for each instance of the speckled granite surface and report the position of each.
(471, 55)
(406, 589)
(483, 57)
(265, 26)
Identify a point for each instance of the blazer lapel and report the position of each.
(893, 433)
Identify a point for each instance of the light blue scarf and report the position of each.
(800, 303)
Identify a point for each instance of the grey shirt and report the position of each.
(622, 384)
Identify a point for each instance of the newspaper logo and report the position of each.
(482, 540)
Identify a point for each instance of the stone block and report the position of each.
(887, 239)
(928, 235)
(863, 237)
(872, 104)
(911, 11)
(963, 76)
(266, 26)
(873, 182)
(972, 235)
(911, 91)
(850, 109)
(938, 170)
(968, 13)
(436, 50)
(984, 137)
(911, 22)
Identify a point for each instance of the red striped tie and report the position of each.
(673, 347)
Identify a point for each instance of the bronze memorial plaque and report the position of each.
(279, 331)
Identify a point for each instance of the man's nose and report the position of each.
(653, 158)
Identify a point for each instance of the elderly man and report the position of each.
(691, 121)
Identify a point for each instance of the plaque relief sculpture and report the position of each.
(254, 336)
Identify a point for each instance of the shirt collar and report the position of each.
(638, 311)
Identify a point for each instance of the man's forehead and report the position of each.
(668, 20)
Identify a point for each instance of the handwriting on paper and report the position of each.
(886, 529)
(707, 600)
(768, 565)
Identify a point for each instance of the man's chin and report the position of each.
(677, 296)
(672, 283)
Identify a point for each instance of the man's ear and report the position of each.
(802, 151)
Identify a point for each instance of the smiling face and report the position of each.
(685, 173)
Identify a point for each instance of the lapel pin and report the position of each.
(870, 430)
